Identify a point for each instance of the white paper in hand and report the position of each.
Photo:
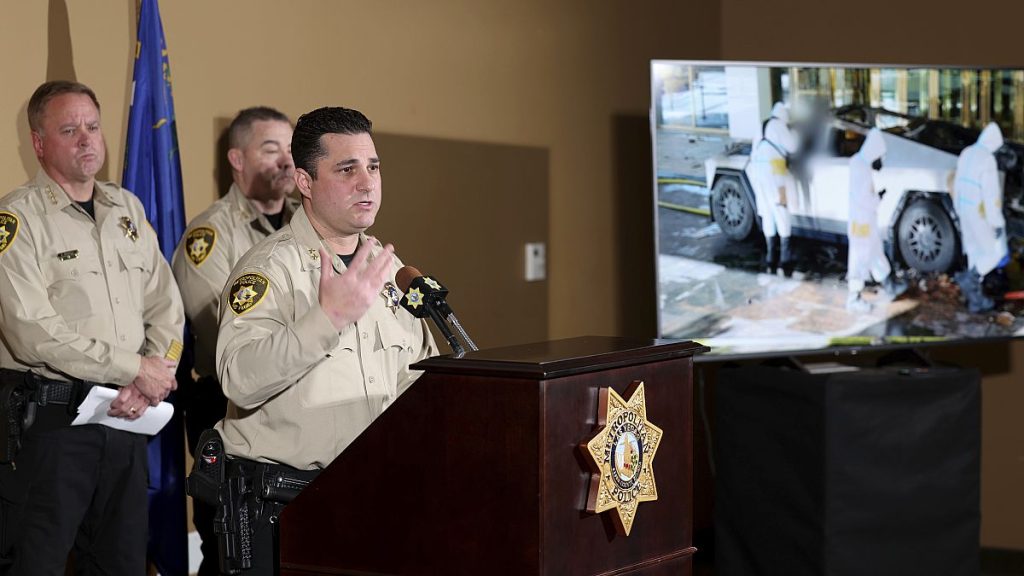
(96, 404)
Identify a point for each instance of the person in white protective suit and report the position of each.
(774, 186)
(978, 201)
(867, 259)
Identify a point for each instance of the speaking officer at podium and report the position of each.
(86, 298)
(313, 344)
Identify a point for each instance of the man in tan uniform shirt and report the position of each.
(313, 344)
(86, 299)
(257, 204)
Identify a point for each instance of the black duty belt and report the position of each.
(54, 392)
(275, 482)
(45, 391)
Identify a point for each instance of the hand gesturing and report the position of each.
(347, 296)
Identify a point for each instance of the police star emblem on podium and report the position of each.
(621, 456)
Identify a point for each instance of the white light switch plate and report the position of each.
(536, 261)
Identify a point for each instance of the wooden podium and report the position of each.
(476, 470)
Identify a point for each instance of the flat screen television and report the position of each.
(720, 184)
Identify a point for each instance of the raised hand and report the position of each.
(347, 296)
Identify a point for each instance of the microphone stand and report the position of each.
(455, 322)
(439, 321)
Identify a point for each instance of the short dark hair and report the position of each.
(307, 147)
(48, 91)
(238, 131)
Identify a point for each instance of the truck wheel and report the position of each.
(927, 238)
(731, 209)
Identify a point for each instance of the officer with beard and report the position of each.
(256, 205)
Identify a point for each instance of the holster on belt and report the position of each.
(231, 497)
(240, 490)
(13, 401)
(208, 468)
(233, 524)
(22, 396)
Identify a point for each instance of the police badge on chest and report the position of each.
(391, 296)
(131, 231)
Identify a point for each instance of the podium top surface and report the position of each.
(558, 358)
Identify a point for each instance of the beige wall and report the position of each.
(560, 76)
(567, 78)
(915, 32)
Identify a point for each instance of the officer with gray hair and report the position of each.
(86, 299)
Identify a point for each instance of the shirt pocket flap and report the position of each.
(391, 335)
(334, 381)
(135, 260)
(70, 278)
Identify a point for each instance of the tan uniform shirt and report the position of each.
(82, 298)
(299, 391)
(209, 249)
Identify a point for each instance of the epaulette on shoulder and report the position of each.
(264, 250)
(18, 194)
(108, 185)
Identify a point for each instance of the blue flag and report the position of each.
(152, 170)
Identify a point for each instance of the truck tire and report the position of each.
(731, 208)
(927, 237)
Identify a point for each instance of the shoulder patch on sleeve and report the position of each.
(199, 244)
(247, 291)
(8, 230)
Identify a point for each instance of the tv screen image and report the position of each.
(802, 207)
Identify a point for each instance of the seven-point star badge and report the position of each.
(247, 291)
(8, 230)
(244, 296)
(414, 298)
(199, 244)
(621, 456)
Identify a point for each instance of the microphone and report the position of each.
(423, 296)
